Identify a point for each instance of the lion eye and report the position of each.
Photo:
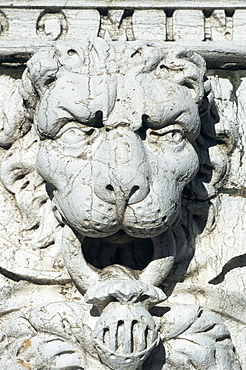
(174, 136)
(74, 135)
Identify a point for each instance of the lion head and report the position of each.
(118, 130)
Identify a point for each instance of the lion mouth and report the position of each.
(116, 257)
(119, 248)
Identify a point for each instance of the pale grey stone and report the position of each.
(188, 25)
(122, 171)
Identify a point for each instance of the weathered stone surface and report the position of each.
(218, 26)
(188, 25)
(149, 24)
(239, 29)
(122, 172)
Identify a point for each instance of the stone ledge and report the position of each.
(226, 55)
(187, 4)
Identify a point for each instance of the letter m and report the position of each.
(116, 25)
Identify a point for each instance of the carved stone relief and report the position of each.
(157, 21)
(122, 190)
(108, 145)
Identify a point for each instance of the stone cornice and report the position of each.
(137, 4)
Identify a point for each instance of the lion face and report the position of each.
(117, 139)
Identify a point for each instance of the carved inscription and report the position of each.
(4, 24)
(121, 24)
(52, 26)
(116, 25)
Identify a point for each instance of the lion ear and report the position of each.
(14, 122)
(186, 68)
(40, 72)
(193, 72)
(42, 69)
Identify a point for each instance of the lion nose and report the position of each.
(121, 171)
(130, 194)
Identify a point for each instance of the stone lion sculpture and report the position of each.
(105, 145)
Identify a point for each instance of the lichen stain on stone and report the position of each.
(26, 365)
(27, 343)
